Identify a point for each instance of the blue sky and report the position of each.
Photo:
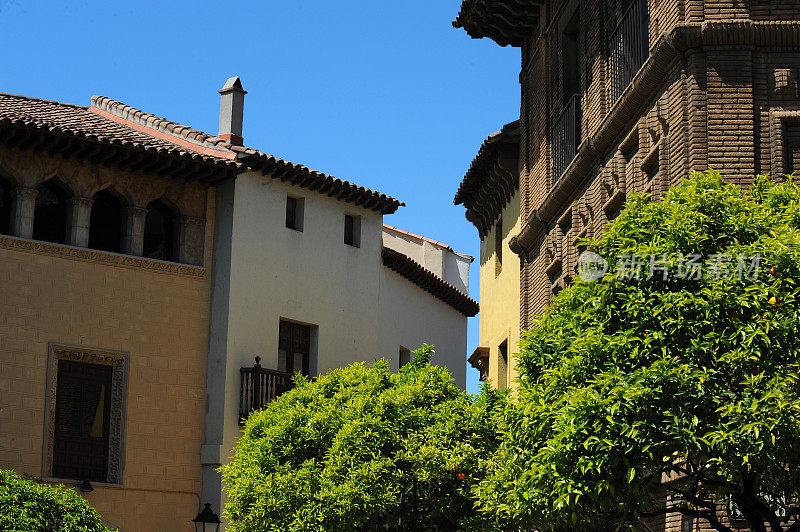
(386, 94)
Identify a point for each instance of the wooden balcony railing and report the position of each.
(629, 48)
(566, 136)
(259, 386)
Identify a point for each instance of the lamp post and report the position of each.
(206, 520)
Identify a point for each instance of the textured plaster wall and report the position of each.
(359, 310)
(161, 320)
(409, 317)
(452, 267)
(499, 295)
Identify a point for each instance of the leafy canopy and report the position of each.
(28, 505)
(361, 448)
(634, 389)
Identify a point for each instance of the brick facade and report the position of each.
(718, 90)
(717, 86)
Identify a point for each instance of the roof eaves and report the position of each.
(428, 281)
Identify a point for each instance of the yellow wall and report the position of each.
(499, 296)
(160, 319)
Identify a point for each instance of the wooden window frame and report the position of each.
(118, 394)
(352, 230)
(292, 341)
(294, 213)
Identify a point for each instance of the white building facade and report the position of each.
(306, 277)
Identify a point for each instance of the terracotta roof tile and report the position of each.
(80, 121)
(492, 177)
(108, 120)
(429, 240)
(429, 281)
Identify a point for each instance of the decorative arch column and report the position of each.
(133, 235)
(80, 211)
(22, 214)
(191, 239)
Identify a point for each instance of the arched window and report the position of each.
(50, 212)
(159, 232)
(105, 222)
(5, 207)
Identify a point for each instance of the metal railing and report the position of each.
(259, 386)
(566, 136)
(629, 48)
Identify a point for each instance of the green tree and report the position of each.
(636, 390)
(361, 448)
(29, 505)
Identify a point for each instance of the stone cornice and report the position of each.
(100, 257)
(669, 47)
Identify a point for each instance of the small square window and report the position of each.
(352, 230)
(294, 213)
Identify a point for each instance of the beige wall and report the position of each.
(499, 297)
(159, 319)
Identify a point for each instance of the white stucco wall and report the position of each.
(410, 317)
(441, 260)
(359, 309)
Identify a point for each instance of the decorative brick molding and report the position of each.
(679, 43)
(103, 257)
(119, 383)
(777, 136)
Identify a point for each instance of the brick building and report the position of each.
(622, 96)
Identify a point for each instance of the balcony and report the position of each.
(259, 386)
(629, 48)
(566, 135)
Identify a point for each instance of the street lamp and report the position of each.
(207, 520)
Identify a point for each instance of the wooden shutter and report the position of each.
(83, 401)
(294, 340)
(291, 212)
(349, 227)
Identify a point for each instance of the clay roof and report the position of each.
(492, 178)
(428, 281)
(429, 240)
(81, 122)
(256, 160)
(111, 122)
(504, 21)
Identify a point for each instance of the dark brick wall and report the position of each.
(713, 108)
(721, 105)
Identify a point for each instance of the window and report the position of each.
(498, 246)
(5, 207)
(352, 230)
(405, 356)
(502, 365)
(294, 213)
(294, 347)
(84, 427)
(629, 48)
(50, 212)
(159, 232)
(792, 148)
(80, 441)
(566, 131)
(105, 222)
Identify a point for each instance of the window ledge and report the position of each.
(100, 257)
(95, 483)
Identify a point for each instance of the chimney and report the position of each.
(231, 111)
